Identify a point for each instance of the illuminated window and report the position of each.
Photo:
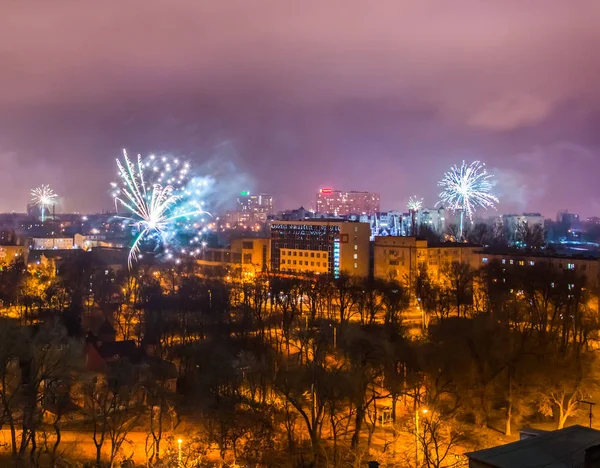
(531, 262)
(571, 266)
(503, 261)
(355, 265)
(511, 262)
(521, 262)
(355, 247)
(355, 256)
(484, 259)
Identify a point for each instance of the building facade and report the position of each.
(329, 247)
(399, 258)
(253, 254)
(513, 221)
(341, 203)
(254, 208)
(51, 243)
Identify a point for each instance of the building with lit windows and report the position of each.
(322, 246)
(51, 243)
(400, 258)
(253, 254)
(340, 203)
(254, 208)
(581, 265)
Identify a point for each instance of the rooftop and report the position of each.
(564, 448)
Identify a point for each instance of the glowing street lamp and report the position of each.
(424, 411)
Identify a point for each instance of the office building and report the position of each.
(340, 203)
(323, 246)
(254, 208)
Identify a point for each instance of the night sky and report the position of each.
(287, 96)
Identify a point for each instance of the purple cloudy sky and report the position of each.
(291, 95)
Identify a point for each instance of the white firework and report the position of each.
(415, 204)
(467, 188)
(154, 208)
(43, 196)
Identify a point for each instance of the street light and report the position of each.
(179, 441)
(424, 411)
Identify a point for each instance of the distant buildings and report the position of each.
(569, 219)
(254, 208)
(51, 243)
(514, 223)
(321, 247)
(340, 203)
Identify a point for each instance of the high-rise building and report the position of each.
(323, 246)
(254, 208)
(341, 203)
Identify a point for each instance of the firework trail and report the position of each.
(43, 196)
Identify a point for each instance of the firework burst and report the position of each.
(159, 197)
(415, 204)
(43, 196)
(467, 188)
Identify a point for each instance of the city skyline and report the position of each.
(285, 104)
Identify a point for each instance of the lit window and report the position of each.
(356, 247)
(484, 259)
(503, 261)
(531, 263)
(521, 262)
(355, 256)
(511, 262)
(355, 265)
(571, 266)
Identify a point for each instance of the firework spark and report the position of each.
(467, 188)
(156, 210)
(43, 196)
(415, 204)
